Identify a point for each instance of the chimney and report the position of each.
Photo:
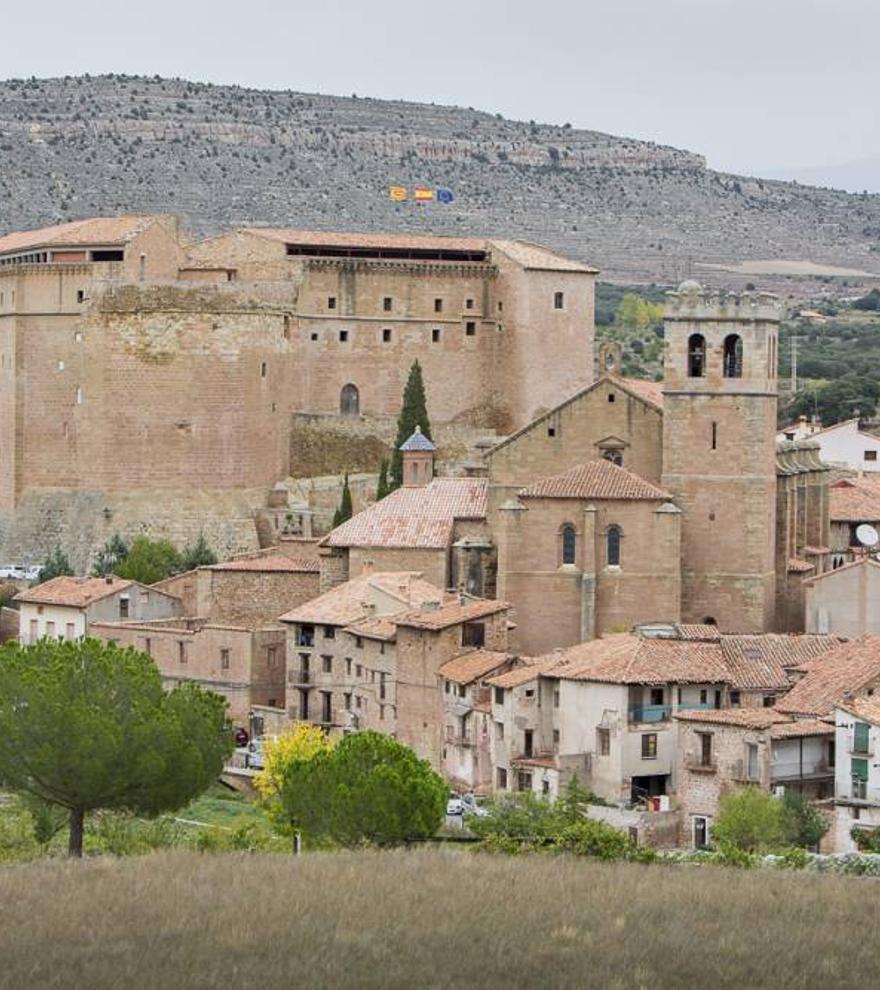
(418, 460)
(108, 579)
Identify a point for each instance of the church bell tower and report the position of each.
(719, 451)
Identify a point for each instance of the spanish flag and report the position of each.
(423, 194)
(397, 193)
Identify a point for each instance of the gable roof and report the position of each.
(530, 669)
(96, 231)
(599, 479)
(535, 257)
(626, 658)
(855, 500)
(850, 667)
(744, 718)
(349, 603)
(763, 661)
(646, 392)
(414, 517)
(74, 592)
(864, 708)
(450, 614)
(471, 666)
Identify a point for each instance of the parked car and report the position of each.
(32, 572)
(474, 804)
(454, 805)
(14, 572)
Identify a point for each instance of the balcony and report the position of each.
(663, 713)
(299, 677)
(697, 764)
(783, 770)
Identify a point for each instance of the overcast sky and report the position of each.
(755, 85)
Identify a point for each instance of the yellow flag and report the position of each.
(423, 194)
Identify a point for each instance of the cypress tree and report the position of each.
(344, 512)
(383, 488)
(413, 413)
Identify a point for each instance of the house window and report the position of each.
(304, 705)
(347, 700)
(569, 544)
(752, 761)
(358, 702)
(327, 664)
(313, 336)
(435, 336)
(348, 666)
(870, 455)
(701, 832)
(181, 651)
(473, 634)
(603, 741)
(148, 643)
(386, 304)
(383, 686)
(613, 546)
(859, 773)
(286, 327)
(714, 436)
(860, 737)
(696, 355)
(329, 632)
(735, 699)
(326, 706)
(501, 778)
(271, 656)
(556, 697)
(343, 336)
(349, 400)
(358, 642)
(124, 602)
(80, 295)
(34, 630)
(386, 336)
(499, 731)
(50, 628)
(523, 781)
(658, 697)
(263, 369)
(733, 356)
(559, 300)
(649, 746)
(358, 671)
(447, 687)
(70, 634)
(499, 696)
(438, 305)
(470, 328)
(529, 742)
(468, 304)
(703, 696)
(769, 700)
(224, 659)
(556, 740)
(331, 302)
(705, 739)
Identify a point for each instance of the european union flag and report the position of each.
(445, 196)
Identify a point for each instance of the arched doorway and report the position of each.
(349, 400)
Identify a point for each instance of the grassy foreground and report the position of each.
(425, 919)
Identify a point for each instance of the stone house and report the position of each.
(244, 664)
(857, 773)
(69, 607)
(851, 668)
(467, 717)
(854, 502)
(845, 601)
(366, 655)
(718, 751)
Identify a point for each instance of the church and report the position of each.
(635, 502)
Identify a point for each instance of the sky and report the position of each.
(765, 87)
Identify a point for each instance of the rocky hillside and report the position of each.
(224, 156)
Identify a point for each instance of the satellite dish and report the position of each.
(867, 535)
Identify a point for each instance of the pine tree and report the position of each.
(383, 488)
(110, 556)
(198, 554)
(345, 511)
(413, 413)
(56, 565)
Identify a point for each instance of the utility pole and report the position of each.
(794, 342)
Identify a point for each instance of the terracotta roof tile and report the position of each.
(864, 708)
(538, 258)
(381, 628)
(850, 667)
(763, 661)
(629, 659)
(415, 517)
(700, 631)
(450, 614)
(529, 669)
(274, 563)
(546, 761)
(352, 239)
(744, 718)
(796, 566)
(800, 727)
(469, 667)
(97, 231)
(855, 500)
(649, 391)
(76, 592)
(598, 479)
(354, 600)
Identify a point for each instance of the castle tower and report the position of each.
(418, 460)
(719, 452)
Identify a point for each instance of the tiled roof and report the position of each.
(77, 592)
(415, 517)
(418, 441)
(98, 231)
(598, 479)
(272, 563)
(650, 391)
(450, 614)
(864, 708)
(528, 670)
(855, 500)
(471, 666)
(850, 667)
(328, 238)
(625, 658)
(699, 630)
(352, 601)
(538, 258)
(796, 566)
(762, 661)
(381, 628)
(744, 718)
(800, 727)
(546, 761)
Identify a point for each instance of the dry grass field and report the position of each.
(426, 919)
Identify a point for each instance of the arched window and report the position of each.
(349, 400)
(613, 546)
(733, 356)
(696, 355)
(569, 544)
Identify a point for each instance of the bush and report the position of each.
(749, 820)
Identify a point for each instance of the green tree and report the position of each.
(804, 825)
(383, 488)
(110, 556)
(86, 725)
(345, 510)
(368, 789)
(413, 413)
(197, 554)
(55, 565)
(635, 313)
(149, 561)
(838, 400)
(750, 820)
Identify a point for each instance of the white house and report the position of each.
(63, 607)
(845, 601)
(857, 773)
(843, 444)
